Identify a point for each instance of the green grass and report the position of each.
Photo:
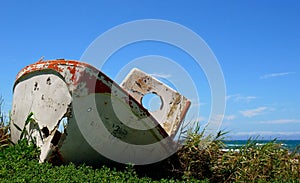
(19, 164)
(266, 163)
(200, 159)
(4, 127)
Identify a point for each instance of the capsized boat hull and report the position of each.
(102, 120)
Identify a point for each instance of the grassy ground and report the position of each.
(19, 164)
(252, 163)
(192, 163)
(199, 160)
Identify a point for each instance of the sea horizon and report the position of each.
(291, 145)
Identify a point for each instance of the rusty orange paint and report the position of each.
(80, 82)
(75, 69)
(54, 64)
(94, 85)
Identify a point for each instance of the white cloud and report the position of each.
(254, 112)
(281, 121)
(224, 117)
(247, 98)
(198, 104)
(266, 76)
(219, 117)
(230, 117)
(240, 98)
(265, 133)
(157, 75)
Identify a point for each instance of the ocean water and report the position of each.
(291, 145)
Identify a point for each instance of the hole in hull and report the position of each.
(152, 102)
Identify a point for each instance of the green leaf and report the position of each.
(29, 118)
(23, 133)
(17, 127)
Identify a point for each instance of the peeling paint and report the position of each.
(49, 88)
(174, 106)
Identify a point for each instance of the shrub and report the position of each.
(269, 162)
(201, 158)
(199, 154)
(19, 163)
(4, 128)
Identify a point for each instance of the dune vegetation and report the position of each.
(200, 159)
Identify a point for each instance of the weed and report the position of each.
(4, 128)
(19, 163)
(200, 159)
(269, 162)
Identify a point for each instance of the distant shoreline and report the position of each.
(291, 145)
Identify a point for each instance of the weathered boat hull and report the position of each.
(99, 116)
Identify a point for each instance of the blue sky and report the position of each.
(257, 44)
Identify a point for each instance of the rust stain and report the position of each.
(174, 106)
(72, 70)
(84, 79)
(185, 109)
(55, 65)
(56, 158)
